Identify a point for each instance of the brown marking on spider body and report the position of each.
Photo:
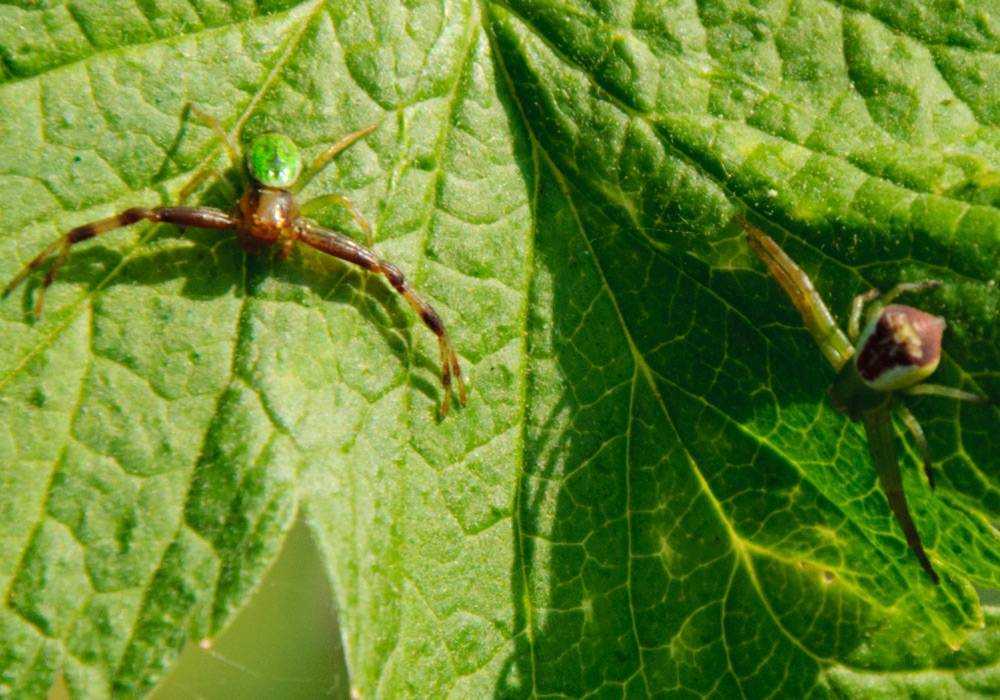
(266, 216)
(900, 337)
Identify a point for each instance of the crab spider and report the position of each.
(267, 215)
(896, 350)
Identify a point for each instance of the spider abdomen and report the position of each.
(900, 347)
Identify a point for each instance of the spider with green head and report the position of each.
(267, 215)
(877, 365)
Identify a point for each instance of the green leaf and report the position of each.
(972, 671)
(648, 491)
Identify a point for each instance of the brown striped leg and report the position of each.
(201, 217)
(339, 246)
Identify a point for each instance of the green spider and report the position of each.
(899, 347)
(266, 215)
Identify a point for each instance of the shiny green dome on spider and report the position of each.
(274, 160)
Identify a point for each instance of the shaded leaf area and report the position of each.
(648, 492)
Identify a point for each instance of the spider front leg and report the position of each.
(201, 217)
(339, 246)
(857, 305)
(854, 323)
(206, 170)
(314, 169)
(324, 158)
(815, 315)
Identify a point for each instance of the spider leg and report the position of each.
(342, 201)
(881, 444)
(913, 425)
(339, 246)
(947, 392)
(205, 171)
(201, 217)
(329, 154)
(854, 326)
(799, 288)
(904, 287)
(854, 322)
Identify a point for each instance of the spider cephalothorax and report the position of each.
(266, 215)
(898, 349)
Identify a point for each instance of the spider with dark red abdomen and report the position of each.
(877, 365)
(266, 215)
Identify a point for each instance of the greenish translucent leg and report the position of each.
(904, 287)
(854, 322)
(946, 392)
(207, 170)
(324, 158)
(881, 444)
(815, 315)
(913, 425)
(341, 201)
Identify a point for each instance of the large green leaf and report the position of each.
(648, 492)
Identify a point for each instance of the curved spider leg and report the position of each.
(329, 154)
(883, 301)
(216, 126)
(201, 217)
(904, 287)
(342, 201)
(857, 305)
(815, 315)
(342, 247)
(878, 426)
(947, 392)
(913, 425)
(205, 171)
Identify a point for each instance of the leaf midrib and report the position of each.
(640, 366)
(692, 162)
(739, 544)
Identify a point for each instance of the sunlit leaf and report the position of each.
(648, 491)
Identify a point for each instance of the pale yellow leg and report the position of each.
(329, 154)
(342, 201)
(207, 170)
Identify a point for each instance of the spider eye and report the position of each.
(899, 348)
(274, 160)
